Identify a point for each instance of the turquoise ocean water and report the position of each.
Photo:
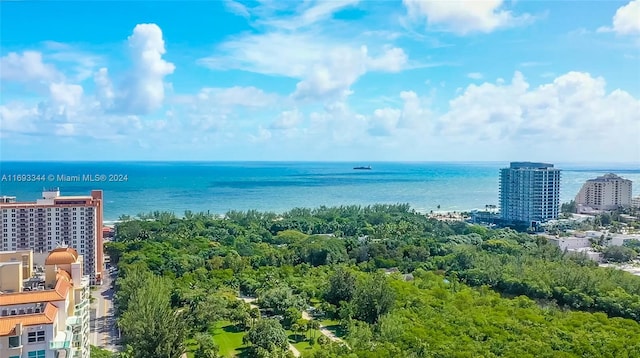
(218, 187)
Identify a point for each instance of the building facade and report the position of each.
(52, 322)
(56, 220)
(529, 193)
(607, 192)
(7, 258)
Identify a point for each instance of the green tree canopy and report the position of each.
(269, 335)
(373, 298)
(342, 285)
(149, 325)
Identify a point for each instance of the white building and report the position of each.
(635, 202)
(49, 323)
(529, 192)
(56, 220)
(607, 192)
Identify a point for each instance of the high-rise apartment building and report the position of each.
(56, 220)
(51, 321)
(529, 192)
(607, 192)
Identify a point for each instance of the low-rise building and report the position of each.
(52, 322)
(582, 242)
(23, 256)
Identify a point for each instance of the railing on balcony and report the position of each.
(61, 341)
(81, 305)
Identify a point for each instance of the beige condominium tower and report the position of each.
(55, 220)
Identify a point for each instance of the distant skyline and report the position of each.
(337, 80)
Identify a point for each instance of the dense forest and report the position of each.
(377, 281)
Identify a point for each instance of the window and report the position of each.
(37, 336)
(14, 342)
(36, 354)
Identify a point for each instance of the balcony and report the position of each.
(61, 341)
(72, 321)
(81, 305)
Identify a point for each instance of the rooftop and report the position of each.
(606, 178)
(62, 256)
(8, 323)
(530, 165)
(59, 293)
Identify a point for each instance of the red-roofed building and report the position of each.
(49, 323)
(107, 232)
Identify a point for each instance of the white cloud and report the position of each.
(626, 20)
(575, 108)
(415, 112)
(104, 88)
(303, 41)
(326, 69)
(414, 115)
(534, 64)
(237, 8)
(68, 111)
(66, 94)
(464, 17)
(213, 109)
(384, 121)
(236, 96)
(13, 118)
(475, 75)
(287, 120)
(27, 67)
(318, 11)
(143, 89)
(263, 135)
(79, 65)
(393, 59)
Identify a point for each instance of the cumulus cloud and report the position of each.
(414, 115)
(384, 121)
(575, 108)
(68, 111)
(27, 66)
(626, 20)
(464, 17)
(475, 75)
(143, 89)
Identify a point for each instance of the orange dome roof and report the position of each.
(62, 256)
(62, 274)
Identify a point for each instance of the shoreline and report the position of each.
(429, 213)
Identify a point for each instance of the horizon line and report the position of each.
(310, 161)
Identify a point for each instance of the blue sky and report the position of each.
(336, 80)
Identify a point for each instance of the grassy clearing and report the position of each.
(301, 341)
(191, 347)
(228, 339)
(334, 327)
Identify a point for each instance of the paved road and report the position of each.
(104, 332)
(323, 329)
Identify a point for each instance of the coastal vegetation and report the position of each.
(376, 281)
